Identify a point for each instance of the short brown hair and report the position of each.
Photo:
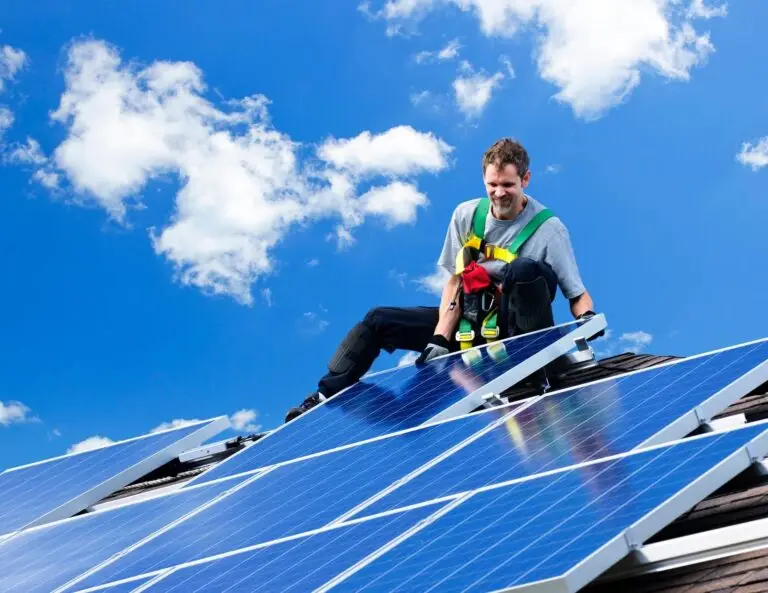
(507, 151)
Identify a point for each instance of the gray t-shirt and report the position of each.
(550, 243)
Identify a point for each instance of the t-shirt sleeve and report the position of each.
(454, 239)
(561, 258)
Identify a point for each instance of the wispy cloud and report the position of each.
(266, 293)
(89, 444)
(433, 283)
(15, 412)
(12, 60)
(312, 324)
(634, 341)
(473, 90)
(754, 155)
(449, 52)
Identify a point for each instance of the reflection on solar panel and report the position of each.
(559, 531)
(44, 558)
(295, 498)
(401, 398)
(58, 488)
(566, 526)
(597, 420)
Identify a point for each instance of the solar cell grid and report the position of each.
(589, 422)
(566, 525)
(405, 397)
(60, 487)
(41, 559)
(295, 498)
(301, 564)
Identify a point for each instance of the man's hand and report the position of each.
(586, 316)
(438, 346)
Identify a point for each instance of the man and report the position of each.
(524, 287)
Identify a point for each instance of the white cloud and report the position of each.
(266, 293)
(398, 202)
(698, 9)
(435, 282)
(175, 423)
(449, 52)
(244, 184)
(592, 50)
(636, 341)
(473, 91)
(31, 155)
(11, 61)
(312, 263)
(420, 97)
(6, 119)
(311, 324)
(14, 412)
(343, 237)
(94, 442)
(400, 151)
(243, 420)
(754, 155)
(407, 359)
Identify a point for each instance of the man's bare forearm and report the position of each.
(448, 318)
(581, 304)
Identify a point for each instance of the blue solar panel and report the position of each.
(590, 422)
(127, 587)
(295, 565)
(406, 397)
(570, 524)
(60, 487)
(41, 559)
(295, 498)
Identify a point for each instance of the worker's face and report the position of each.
(505, 189)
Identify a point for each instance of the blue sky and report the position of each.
(197, 204)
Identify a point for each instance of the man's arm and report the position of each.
(448, 318)
(581, 304)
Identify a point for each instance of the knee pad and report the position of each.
(357, 347)
(529, 306)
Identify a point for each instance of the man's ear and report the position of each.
(526, 178)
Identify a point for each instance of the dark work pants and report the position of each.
(410, 328)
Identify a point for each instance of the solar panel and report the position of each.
(128, 587)
(294, 498)
(297, 565)
(557, 532)
(60, 487)
(592, 421)
(408, 396)
(43, 558)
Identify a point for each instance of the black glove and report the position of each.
(437, 346)
(586, 316)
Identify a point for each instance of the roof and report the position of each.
(742, 503)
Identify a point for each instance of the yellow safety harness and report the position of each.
(471, 250)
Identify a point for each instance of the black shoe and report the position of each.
(310, 402)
